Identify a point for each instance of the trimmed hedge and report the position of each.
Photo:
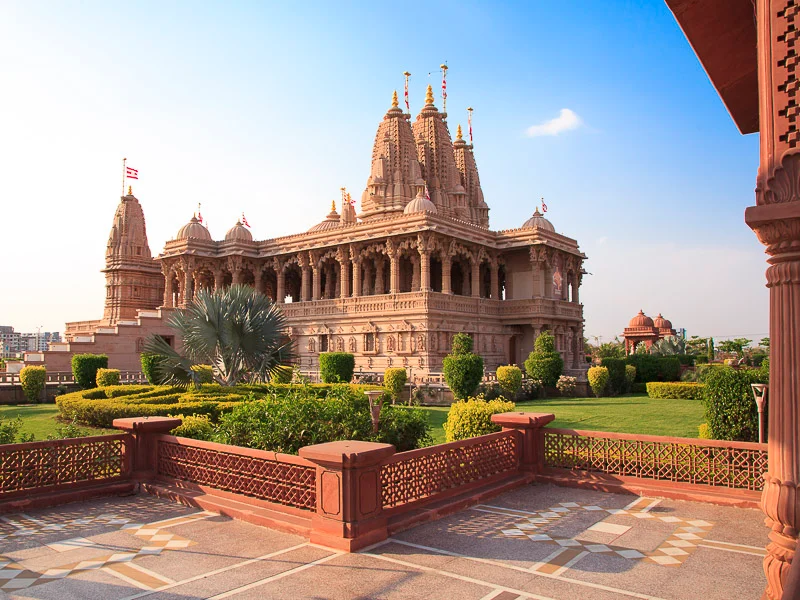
(655, 368)
(617, 382)
(336, 367)
(675, 390)
(205, 373)
(473, 417)
(598, 380)
(282, 374)
(510, 379)
(463, 373)
(85, 366)
(731, 411)
(32, 379)
(106, 377)
(394, 380)
(149, 362)
(544, 363)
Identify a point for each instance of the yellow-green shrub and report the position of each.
(32, 379)
(598, 380)
(106, 377)
(282, 374)
(473, 416)
(197, 427)
(394, 380)
(510, 379)
(704, 432)
(205, 373)
(676, 390)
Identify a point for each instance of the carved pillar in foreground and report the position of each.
(424, 264)
(281, 277)
(776, 221)
(305, 277)
(187, 287)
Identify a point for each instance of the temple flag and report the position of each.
(244, 221)
(544, 206)
(469, 123)
(131, 173)
(407, 75)
(199, 214)
(444, 87)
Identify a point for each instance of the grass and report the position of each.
(632, 413)
(40, 420)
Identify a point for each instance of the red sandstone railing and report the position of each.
(270, 476)
(125, 377)
(409, 477)
(58, 464)
(710, 462)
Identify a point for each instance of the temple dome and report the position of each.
(641, 320)
(537, 221)
(194, 229)
(662, 323)
(238, 233)
(419, 204)
(331, 221)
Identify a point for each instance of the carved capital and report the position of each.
(391, 248)
(784, 184)
(780, 501)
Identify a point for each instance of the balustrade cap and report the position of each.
(348, 454)
(522, 420)
(147, 424)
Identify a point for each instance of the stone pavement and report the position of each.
(534, 542)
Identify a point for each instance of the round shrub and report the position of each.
(630, 376)
(463, 373)
(196, 427)
(205, 373)
(510, 379)
(598, 380)
(394, 380)
(336, 367)
(473, 417)
(675, 390)
(731, 411)
(404, 427)
(106, 377)
(84, 368)
(566, 385)
(462, 344)
(544, 363)
(282, 374)
(32, 379)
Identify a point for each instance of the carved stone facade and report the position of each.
(395, 283)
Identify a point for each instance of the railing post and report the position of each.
(144, 459)
(349, 508)
(530, 426)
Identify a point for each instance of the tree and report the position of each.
(669, 346)
(697, 345)
(737, 345)
(614, 349)
(711, 352)
(544, 363)
(239, 332)
(764, 343)
(463, 369)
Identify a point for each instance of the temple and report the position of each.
(391, 284)
(643, 330)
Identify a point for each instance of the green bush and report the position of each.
(630, 377)
(85, 366)
(617, 382)
(701, 359)
(703, 432)
(106, 377)
(598, 380)
(731, 411)
(149, 362)
(669, 368)
(205, 373)
(655, 368)
(675, 390)
(473, 417)
(9, 431)
(639, 388)
(336, 367)
(32, 379)
(394, 380)
(510, 379)
(463, 373)
(686, 360)
(196, 427)
(404, 427)
(544, 363)
(282, 374)
(462, 344)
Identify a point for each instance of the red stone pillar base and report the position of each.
(530, 426)
(145, 449)
(349, 506)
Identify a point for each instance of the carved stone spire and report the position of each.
(133, 279)
(395, 173)
(477, 209)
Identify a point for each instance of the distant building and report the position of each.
(643, 330)
(15, 343)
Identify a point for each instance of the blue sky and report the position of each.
(270, 108)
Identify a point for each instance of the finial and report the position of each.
(406, 73)
(333, 205)
(395, 103)
(130, 193)
(429, 95)
(458, 132)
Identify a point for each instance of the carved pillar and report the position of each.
(365, 290)
(494, 285)
(187, 287)
(415, 273)
(776, 221)
(237, 276)
(475, 280)
(356, 277)
(219, 275)
(447, 262)
(424, 264)
(170, 275)
(316, 280)
(576, 288)
(281, 277)
(343, 256)
(304, 278)
(394, 274)
(379, 276)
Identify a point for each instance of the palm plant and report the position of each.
(668, 346)
(239, 332)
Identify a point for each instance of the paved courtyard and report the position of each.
(534, 542)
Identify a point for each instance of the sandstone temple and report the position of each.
(392, 283)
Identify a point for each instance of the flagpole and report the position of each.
(469, 122)
(408, 106)
(444, 87)
(123, 175)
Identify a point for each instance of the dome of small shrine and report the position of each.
(194, 229)
(331, 221)
(537, 221)
(420, 204)
(641, 320)
(662, 323)
(239, 233)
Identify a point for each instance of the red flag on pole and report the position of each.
(444, 87)
(244, 221)
(544, 206)
(199, 214)
(469, 123)
(131, 173)
(407, 74)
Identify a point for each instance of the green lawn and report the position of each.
(39, 419)
(633, 413)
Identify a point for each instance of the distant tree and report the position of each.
(710, 349)
(697, 345)
(737, 345)
(641, 348)
(613, 349)
(764, 343)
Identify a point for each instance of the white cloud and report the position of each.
(565, 121)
